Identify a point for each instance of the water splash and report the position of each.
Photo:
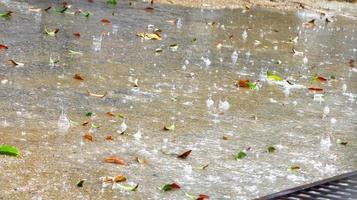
(234, 57)
(244, 35)
(63, 123)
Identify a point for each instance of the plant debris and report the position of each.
(170, 186)
(185, 154)
(9, 150)
(114, 160)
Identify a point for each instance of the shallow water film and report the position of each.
(140, 101)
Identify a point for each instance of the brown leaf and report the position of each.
(225, 137)
(105, 21)
(13, 62)
(47, 9)
(184, 155)
(85, 123)
(77, 34)
(351, 62)
(141, 160)
(109, 137)
(242, 83)
(88, 137)
(114, 160)
(3, 46)
(315, 89)
(78, 77)
(202, 197)
(119, 178)
(110, 114)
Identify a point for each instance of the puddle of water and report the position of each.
(191, 87)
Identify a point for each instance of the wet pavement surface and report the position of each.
(189, 78)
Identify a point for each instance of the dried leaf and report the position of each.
(9, 150)
(77, 34)
(3, 46)
(351, 62)
(315, 89)
(170, 127)
(119, 178)
(246, 84)
(88, 137)
(184, 155)
(110, 114)
(105, 21)
(149, 36)
(170, 186)
(225, 137)
(173, 47)
(78, 77)
(13, 62)
(197, 197)
(85, 123)
(47, 9)
(96, 95)
(319, 78)
(141, 160)
(114, 160)
(240, 155)
(109, 137)
(310, 24)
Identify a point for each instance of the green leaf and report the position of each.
(71, 52)
(63, 10)
(128, 187)
(274, 77)
(271, 149)
(89, 114)
(6, 14)
(191, 196)
(52, 33)
(80, 183)
(52, 62)
(340, 142)
(170, 128)
(95, 126)
(251, 85)
(9, 150)
(170, 186)
(112, 2)
(121, 115)
(293, 168)
(240, 155)
(194, 40)
(87, 14)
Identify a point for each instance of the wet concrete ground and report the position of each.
(192, 86)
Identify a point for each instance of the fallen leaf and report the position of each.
(9, 150)
(71, 52)
(293, 168)
(136, 83)
(77, 34)
(114, 160)
(319, 78)
(310, 24)
(47, 9)
(80, 183)
(225, 137)
(52, 33)
(245, 84)
(13, 62)
(85, 123)
(158, 50)
(78, 77)
(96, 95)
(339, 141)
(6, 14)
(184, 155)
(351, 62)
(273, 77)
(119, 178)
(105, 21)
(63, 10)
(141, 160)
(173, 47)
(170, 127)
(89, 114)
(109, 137)
(197, 197)
(3, 46)
(271, 149)
(240, 155)
(149, 36)
(88, 137)
(129, 188)
(110, 114)
(170, 186)
(315, 89)
(87, 14)
(149, 9)
(112, 2)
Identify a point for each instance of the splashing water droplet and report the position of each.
(207, 61)
(344, 87)
(244, 35)
(122, 127)
(305, 60)
(63, 123)
(223, 105)
(137, 135)
(234, 57)
(209, 102)
(325, 143)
